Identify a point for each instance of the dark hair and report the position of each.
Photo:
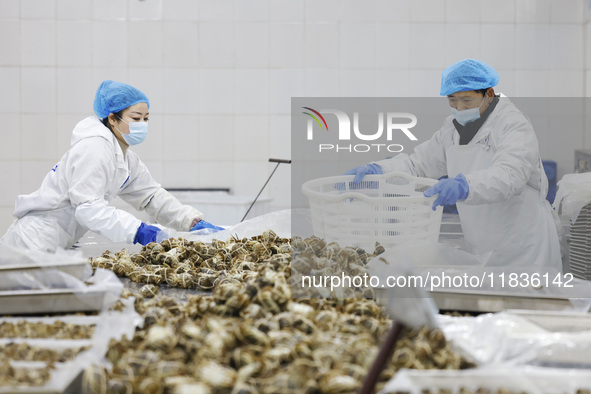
(106, 118)
(482, 91)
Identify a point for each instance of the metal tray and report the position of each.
(490, 303)
(78, 270)
(26, 302)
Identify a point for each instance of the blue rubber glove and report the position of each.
(361, 171)
(146, 234)
(450, 191)
(202, 224)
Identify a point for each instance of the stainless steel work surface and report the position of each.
(486, 302)
(27, 302)
(80, 270)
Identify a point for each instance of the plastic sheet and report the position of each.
(531, 380)
(437, 261)
(512, 352)
(574, 192)
(53, 291)
(509, 339)
(10, 255)
(278, 221)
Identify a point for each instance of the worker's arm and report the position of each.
(143, 193)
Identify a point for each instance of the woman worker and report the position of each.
(489, 150)
(76, 194)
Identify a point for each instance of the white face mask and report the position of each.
(137, 132)
(467, 115)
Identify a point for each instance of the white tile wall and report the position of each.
(327, 11)
(565, 44)
(37, 9)
(181, 87)
(151, 81)
(216, 10)
(181, 137)
(351, 12)
(251, 91)
(393, 11)
(38, 90)
(287, 11)
(74, 9)
(462, 41)
(216, 44)
(179, 10)
(10, 94)
(10, 130)
(498, 44)
(10, 43)
(462, 11)
(427, 46)
(74, 87)
(216, 90)
(497, 11)
(280, 137)
(392, 48)
(10, 9)
(145, 47)
(72, 38)
(427, 10)
(220, 74)
(532, 11)
(10, 173)
(532, 51)
(216, 136)
(358, 45)
(37, 42)
(109, 44)
(322, 45)
(181, 42)
(111, 10)
(146, 10)
(252, 11)
(567, 11)
(251, 44)
(249, 149)
(39, 137)
(281, 55)
(283, 85)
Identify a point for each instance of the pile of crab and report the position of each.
(249, 334)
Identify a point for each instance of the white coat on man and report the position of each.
(505, 214)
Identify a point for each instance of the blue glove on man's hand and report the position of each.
(146, 234)
(203, 224)
(361, 171)
(450, 191)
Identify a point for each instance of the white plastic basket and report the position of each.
(389, 209)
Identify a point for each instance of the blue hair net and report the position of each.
(112, 97)
(468, 74)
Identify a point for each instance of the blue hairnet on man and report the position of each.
(489, 152)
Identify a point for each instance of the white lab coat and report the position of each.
(506, 213)
(76, 196)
